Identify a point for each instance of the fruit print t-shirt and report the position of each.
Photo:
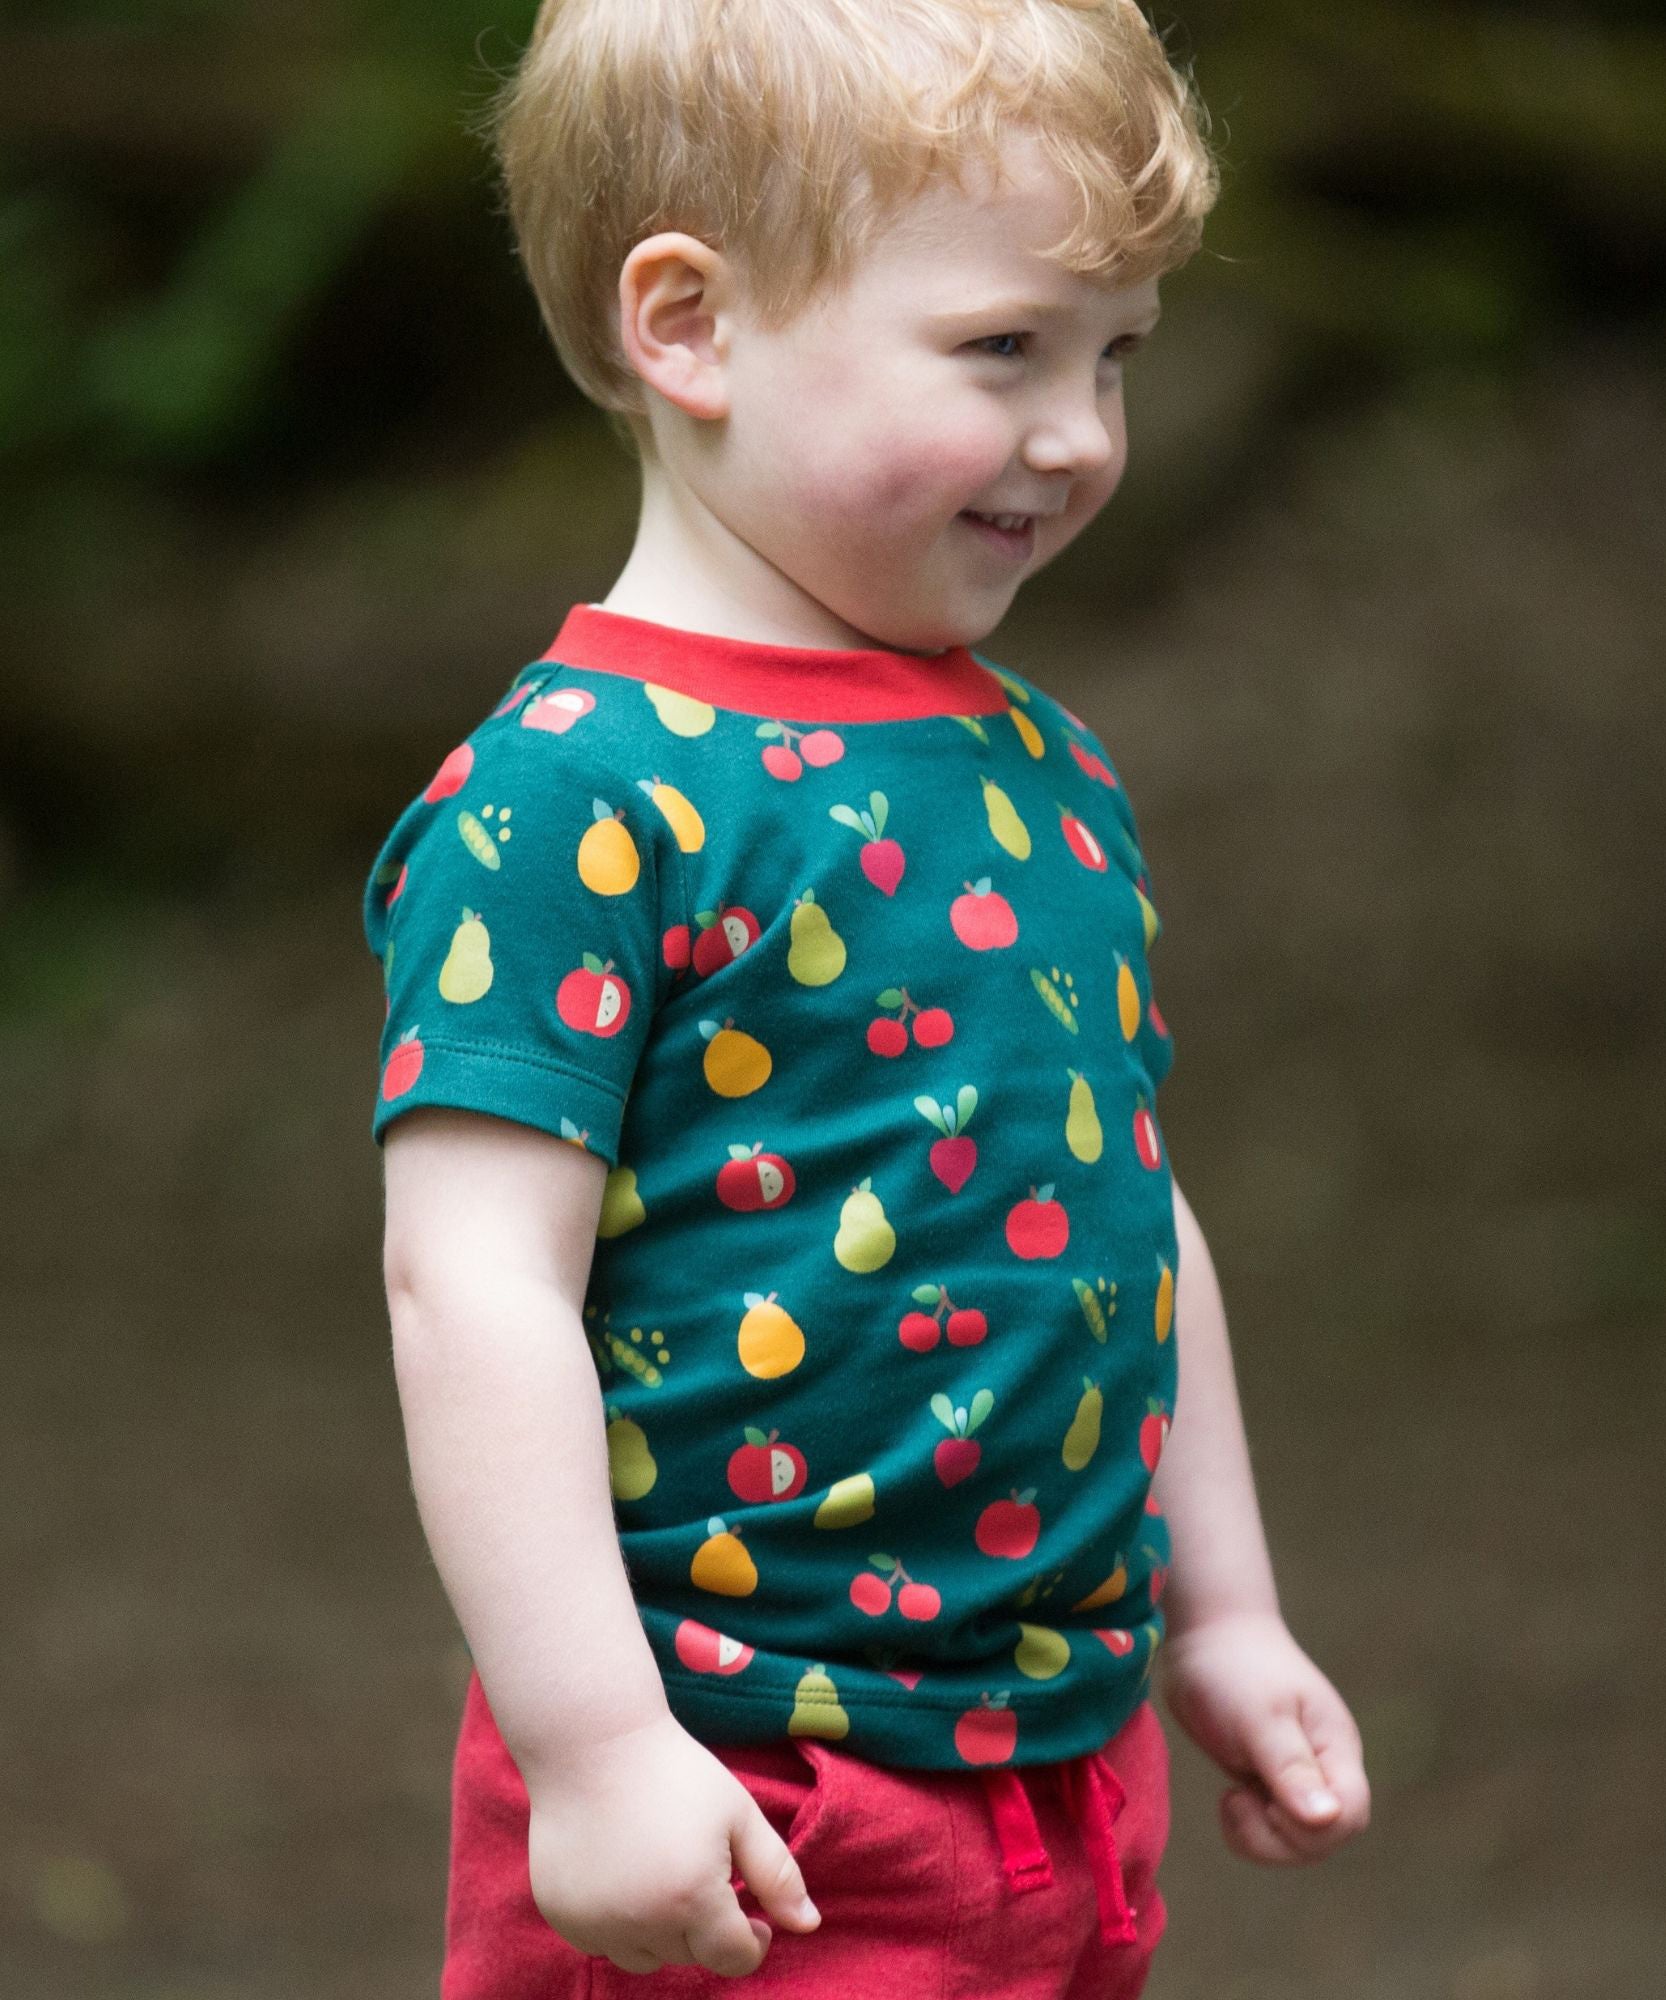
(838, 960)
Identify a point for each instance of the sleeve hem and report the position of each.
(524, 1087)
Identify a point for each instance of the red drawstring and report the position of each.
(1024, 1856)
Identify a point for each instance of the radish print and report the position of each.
(956, 1457)
(882, 859)
(954, 1155)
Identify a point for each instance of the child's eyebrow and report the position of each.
(1020, 308)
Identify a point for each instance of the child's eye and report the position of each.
(1119, 349)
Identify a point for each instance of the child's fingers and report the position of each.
(1246, 1821)
(1335, 1737)
(1288, 1766)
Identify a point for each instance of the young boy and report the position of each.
(787, 1277)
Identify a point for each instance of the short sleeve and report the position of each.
(516, 910)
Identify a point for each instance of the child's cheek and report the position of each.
(901, 484)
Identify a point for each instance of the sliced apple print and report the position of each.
(705, 1651)
(558, 710)
(593, 999)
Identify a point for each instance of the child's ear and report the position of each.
(674, 302)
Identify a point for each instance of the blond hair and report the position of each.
(785, 133)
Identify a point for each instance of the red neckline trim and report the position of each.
(805, 683)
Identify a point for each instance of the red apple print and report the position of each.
(754, 1179)
(919, 1600)
(1009, 1527)
(933, 1027)
(1154, 1430)
(452, 774)
(1092, 763)
(1151, 1506)
(674, 947)
(1037, 1226)
(1158, 1024)
(704, 1651)
(404, 1066)
(761, 1469)
(881, 857)
(593, 999)
(954, 1155)
(1159, 1576)
(982, 919)
(822, 746)
(1145, 1137)
(987, 1734)
(725, 933)
(559, 710)
(398, 888)
(1079, 838)
(1116, 1640)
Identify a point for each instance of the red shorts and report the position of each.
(1031, 1883)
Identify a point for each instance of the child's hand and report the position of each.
(1250, 1698)
(633, 1847)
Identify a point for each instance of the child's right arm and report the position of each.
(636, 1827)
(490, 1231)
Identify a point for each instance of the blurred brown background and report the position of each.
(292, 485)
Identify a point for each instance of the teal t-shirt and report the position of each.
(838, 959)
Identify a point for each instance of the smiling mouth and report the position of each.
(1019, 541)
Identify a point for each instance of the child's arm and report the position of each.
(1235, 1679)
(491, 1228)
(635, 1828)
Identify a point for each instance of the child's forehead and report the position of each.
(957, 243)
(988, 223)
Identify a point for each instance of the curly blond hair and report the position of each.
(787, 132)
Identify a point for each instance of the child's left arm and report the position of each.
(1234, 1678)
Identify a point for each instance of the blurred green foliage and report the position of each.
(188, 186)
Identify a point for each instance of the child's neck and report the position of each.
(688, 569)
